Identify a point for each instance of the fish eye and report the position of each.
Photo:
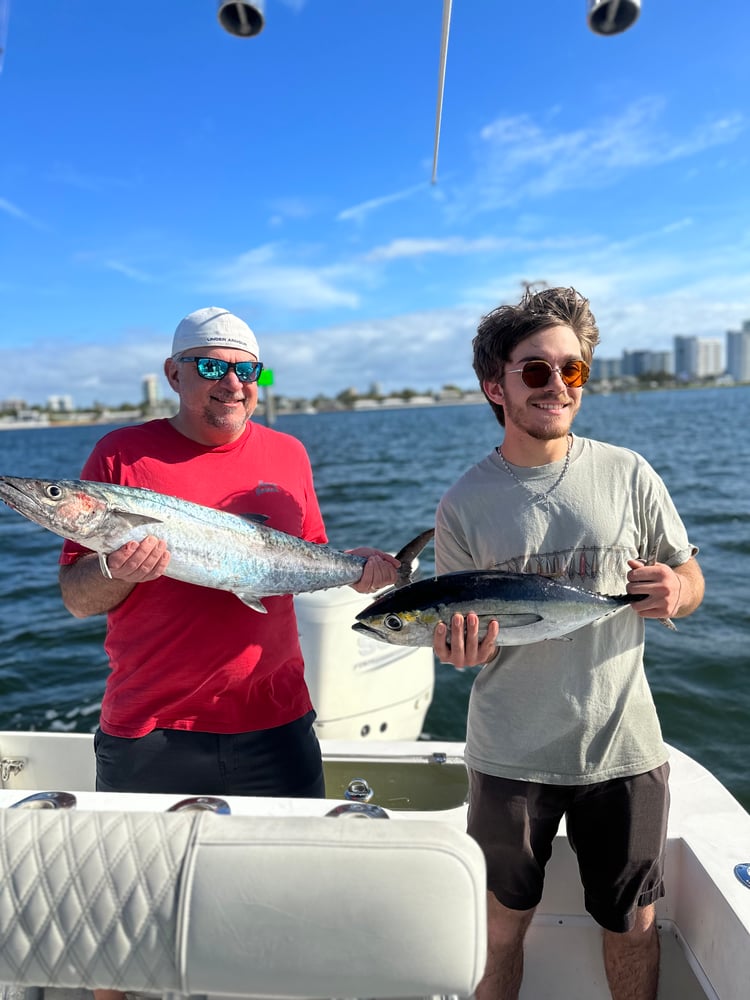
(53, 491)
(393, 622)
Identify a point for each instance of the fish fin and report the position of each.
(408, 554)
(255, 518)
(103, 565)
(510, 621)
(668, 623)
(516, 620)
(519, 620)
(135, 519)
(252, 601)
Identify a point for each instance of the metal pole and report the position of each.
(447, 5)
(270, 405)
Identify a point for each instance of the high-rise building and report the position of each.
(60, 404)
(648, 363)
(738, 353)
(150, 390)
(12, 404)
(606, 369)
(698, 357)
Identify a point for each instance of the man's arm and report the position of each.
(86, 591)
(692, 589)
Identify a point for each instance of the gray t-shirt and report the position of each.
(577, 710)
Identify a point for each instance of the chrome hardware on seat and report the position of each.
(358, 791)
(358, 810)
(202, 803)
(46, 800)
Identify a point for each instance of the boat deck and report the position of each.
(704, 919)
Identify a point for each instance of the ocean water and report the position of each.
(379, 476)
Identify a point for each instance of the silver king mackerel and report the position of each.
(208, 547)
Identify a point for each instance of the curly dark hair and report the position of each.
(500, 331)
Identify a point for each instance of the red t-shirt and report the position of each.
(189, 657)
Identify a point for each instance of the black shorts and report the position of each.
(617, 828)
(284, 761)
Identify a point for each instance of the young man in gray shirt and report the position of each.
(564, 728)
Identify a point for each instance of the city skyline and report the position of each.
(703, 359)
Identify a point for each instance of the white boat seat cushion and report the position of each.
(196, 903)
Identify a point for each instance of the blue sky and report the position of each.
(152, 164)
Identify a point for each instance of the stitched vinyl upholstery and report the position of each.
(195, 903)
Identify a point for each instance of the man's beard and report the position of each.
(553, 430)
(228, 421)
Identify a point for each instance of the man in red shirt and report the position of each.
(205, 695)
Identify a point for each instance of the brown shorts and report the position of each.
(617, 828)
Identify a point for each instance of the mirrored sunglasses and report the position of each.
(215, 369)
(536, 374)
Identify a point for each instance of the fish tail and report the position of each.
(408, 554)
(651, 557)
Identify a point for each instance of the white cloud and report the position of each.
(455, 246)
(290, 209)
(111, 370)
(259, 274)
(17, 213)
(71, 176)
(358, 213)
(522, 158)
(127, 271)
(416, 350)
(400, 248)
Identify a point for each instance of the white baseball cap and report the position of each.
(214, 327)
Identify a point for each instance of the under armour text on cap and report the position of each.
(214, 327)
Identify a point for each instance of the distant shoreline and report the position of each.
(361, 406)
